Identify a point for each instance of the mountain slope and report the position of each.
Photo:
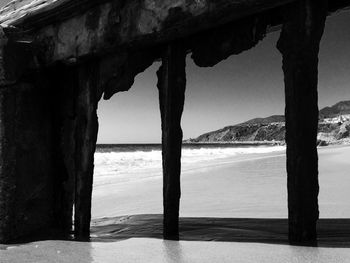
(334, 126)
(341, 108)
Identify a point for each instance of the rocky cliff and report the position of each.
(334, 127)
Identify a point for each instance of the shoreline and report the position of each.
(215, 188)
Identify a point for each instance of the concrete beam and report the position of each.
(114, 25)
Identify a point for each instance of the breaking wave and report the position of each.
(116, 166)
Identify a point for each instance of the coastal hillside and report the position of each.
(334, 127)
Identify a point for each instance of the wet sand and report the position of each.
(228, 214)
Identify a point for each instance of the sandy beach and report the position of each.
(156, 131)
(249, 186)
(232, 210)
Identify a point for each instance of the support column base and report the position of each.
(305, 234)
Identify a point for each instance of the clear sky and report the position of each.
(242, 87)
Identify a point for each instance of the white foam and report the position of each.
(113, 167)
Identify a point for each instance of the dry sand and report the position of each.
(159, 251)
(220, 197)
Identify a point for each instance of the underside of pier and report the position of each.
(58, 58)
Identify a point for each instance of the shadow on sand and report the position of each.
(331, 232)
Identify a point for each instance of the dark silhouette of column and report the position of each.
(299, 44)
(28, 146)
(85, 139)
(171, 85)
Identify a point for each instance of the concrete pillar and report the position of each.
(299, 44)
(28, 147)
(27, 164)
(48, 132)
(85, 139)
(171, 85)
(64, 85)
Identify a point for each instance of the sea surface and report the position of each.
(130, 162)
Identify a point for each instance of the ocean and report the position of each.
(127, 162)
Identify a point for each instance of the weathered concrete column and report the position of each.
(64, 82)
(299, 45)
(171, 85)
(27, 150)
(85, 139)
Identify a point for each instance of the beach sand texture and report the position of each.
(232, 210)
